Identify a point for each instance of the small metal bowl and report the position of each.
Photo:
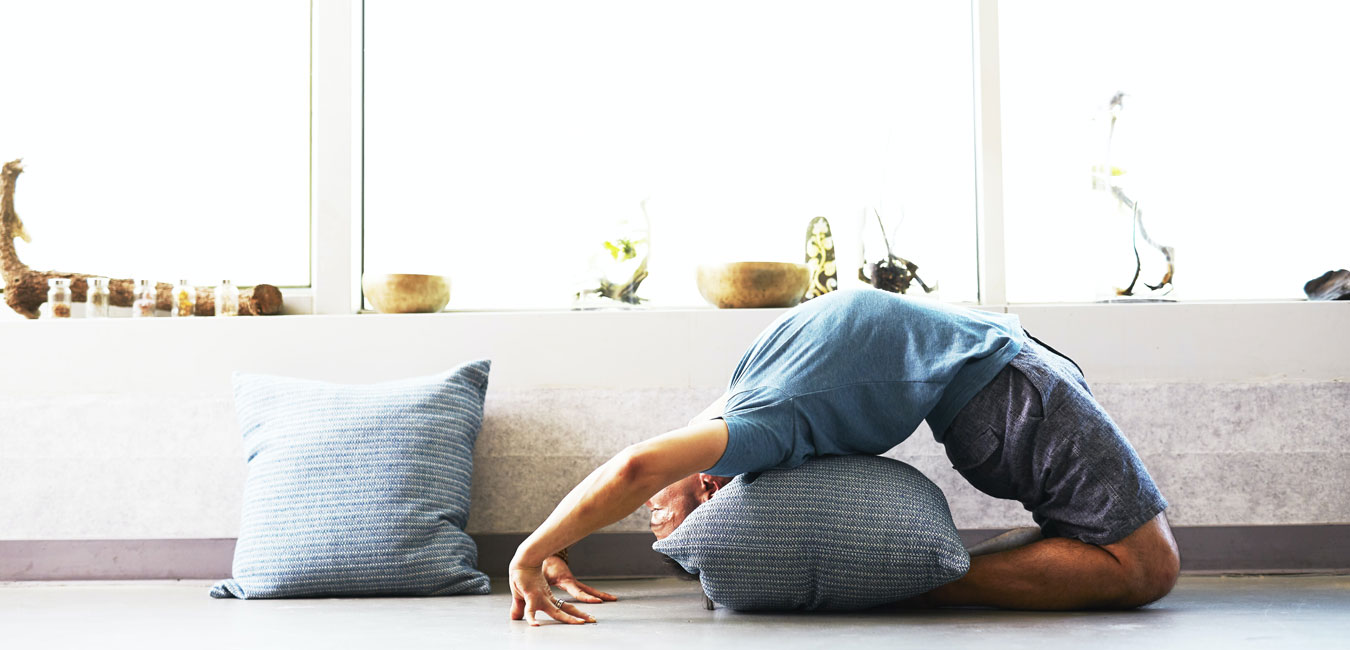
(406, 293)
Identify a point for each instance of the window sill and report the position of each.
(655, 348)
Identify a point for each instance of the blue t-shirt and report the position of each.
(854, 372)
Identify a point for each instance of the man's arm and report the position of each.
(609, 494)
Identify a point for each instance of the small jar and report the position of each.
(144, 305)
(227, 299)
(96, 299)
(58, 296)
(184, 299)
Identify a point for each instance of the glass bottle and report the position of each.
(227, 299)
(184, 299)
(144, 306)
(96, 298)
(58, 296)
(617, 267)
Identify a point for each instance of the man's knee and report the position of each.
(1151, 560)
(1154, 577)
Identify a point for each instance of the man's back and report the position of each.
(855, 372)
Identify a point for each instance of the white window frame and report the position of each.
(335, 160)
(988, 153)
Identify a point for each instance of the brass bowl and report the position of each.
(740, 285)
(406, 293)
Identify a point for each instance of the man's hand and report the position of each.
(608, 494)
(530, 593)
(560, 575)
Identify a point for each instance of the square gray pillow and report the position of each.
(358, 490)
(835, 533)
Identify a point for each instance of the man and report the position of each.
(855, 373)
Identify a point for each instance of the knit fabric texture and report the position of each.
(835, 533)
(357, 490)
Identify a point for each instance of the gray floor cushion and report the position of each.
(836, 533)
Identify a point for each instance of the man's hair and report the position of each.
(676, 569)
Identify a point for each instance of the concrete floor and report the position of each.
(1222, 612)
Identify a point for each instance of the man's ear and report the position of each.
(708, 485)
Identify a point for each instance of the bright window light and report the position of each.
(504, 140)
(1231, 136)
(161, 139)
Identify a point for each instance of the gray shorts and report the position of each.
(1035, 434)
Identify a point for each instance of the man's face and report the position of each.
(671, 505)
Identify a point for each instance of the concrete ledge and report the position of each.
(90, 466)
(1234, 549)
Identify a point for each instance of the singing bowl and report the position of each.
(742, 285)
(406, 293)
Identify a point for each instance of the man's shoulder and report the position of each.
(861, 303)
(753, 398)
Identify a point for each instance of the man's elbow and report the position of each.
(644, 468)
(636, 469)
(628, 465)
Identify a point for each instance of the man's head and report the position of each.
(673, 503)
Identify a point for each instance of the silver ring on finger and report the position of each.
(557, 603)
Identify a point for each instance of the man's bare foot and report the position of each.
(921, 601)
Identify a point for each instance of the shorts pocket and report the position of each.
(966, 452)
(979, 460)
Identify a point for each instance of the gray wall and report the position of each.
(1223, 454)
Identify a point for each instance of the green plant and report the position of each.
(622, 250)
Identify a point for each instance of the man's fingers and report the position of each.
(563, 617)
(556, 610)
(597, 593)
(571, 613)
(517, 608)
(579, 591)
(585, 592)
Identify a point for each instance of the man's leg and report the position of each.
(1007, 541)
(1035, 434)
(1062, 573)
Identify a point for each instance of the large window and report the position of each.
(162, 139)
(1231, 137)
(505, 142)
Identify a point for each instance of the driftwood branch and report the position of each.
(26, 289)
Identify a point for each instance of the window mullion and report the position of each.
(988, 154)
(334, 162)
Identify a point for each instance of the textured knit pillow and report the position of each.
(357, 490)
(837, 533)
